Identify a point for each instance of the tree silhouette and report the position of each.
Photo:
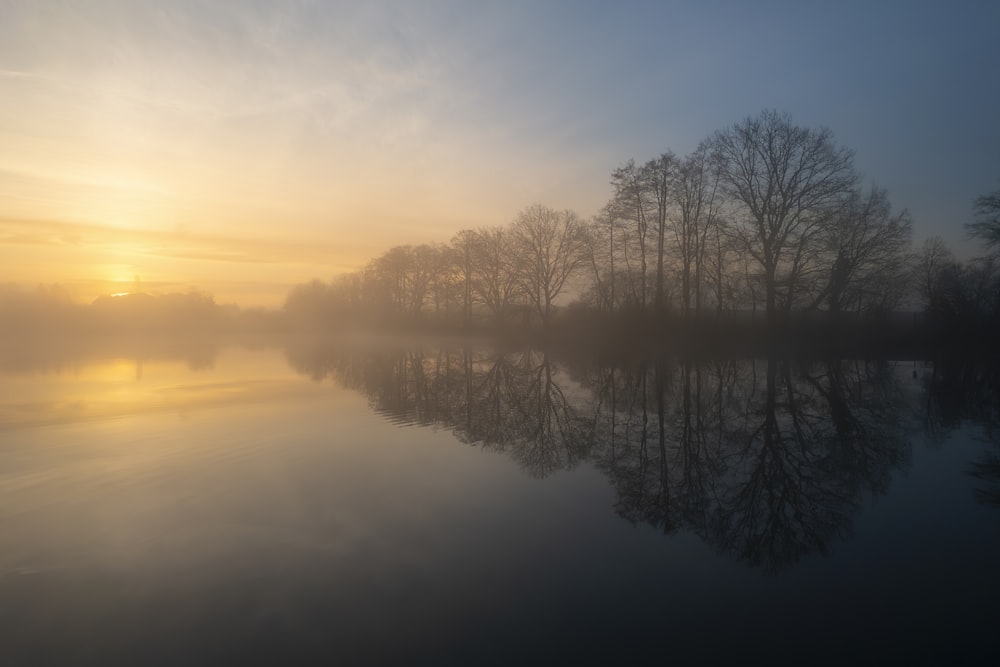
(986, 227)
(867, 249)
(551, 248)
(787, 183)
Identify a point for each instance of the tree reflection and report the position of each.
(786, 491)
(766, 460)
(764, 463)
(512, 402)
(960, 392)
(987, 469)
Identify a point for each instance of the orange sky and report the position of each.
(105, 180)
(240, 159)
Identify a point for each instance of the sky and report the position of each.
(243, 147)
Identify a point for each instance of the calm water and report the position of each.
(176, 504)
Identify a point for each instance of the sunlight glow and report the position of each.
(259, 145)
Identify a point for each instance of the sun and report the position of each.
(121, 279)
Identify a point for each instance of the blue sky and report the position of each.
(136, 137)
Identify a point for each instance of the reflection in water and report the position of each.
(54, 354)
(61, 381)
(764, 463)
(766, 460)
(512, 402)
(243, 511)
(958, 392)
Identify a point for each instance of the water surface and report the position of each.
(451, 504)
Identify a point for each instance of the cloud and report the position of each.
(179, 244)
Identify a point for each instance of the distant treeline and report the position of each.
(51, 310)
(765, 221)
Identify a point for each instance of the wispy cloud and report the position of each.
(178, 244)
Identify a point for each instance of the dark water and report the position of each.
(437, 504)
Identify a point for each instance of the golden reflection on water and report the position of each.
(118, 387)
(121, 462)
(182, 477)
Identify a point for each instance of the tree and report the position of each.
(631, 204)
(936, 269)
(658, 176)
(695, 195)
(551, 247)
(405, 276)
(464, 244)
(600, 256)
(309, 303)
(867, 249)
(441, 263)
(391, 273)
(495, 275)
(788, 183)
(986, 227)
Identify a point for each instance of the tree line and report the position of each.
(764, 217)
(765, 221)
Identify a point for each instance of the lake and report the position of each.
(452, 503)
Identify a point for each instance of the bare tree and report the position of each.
(788, 183)
(600, 256)
(464, 244)
(422, 268)
(495, 275)
(391, 274)
(934, 267)
(441, 263)
(658, 176)
(404, 277)
(631, 202)
(551, 248)
(867, 245)
(986, 227)
(696, 198)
